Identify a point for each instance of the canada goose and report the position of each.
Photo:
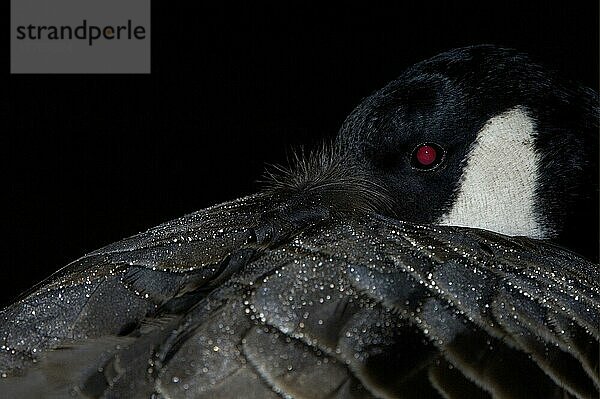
(420, 255)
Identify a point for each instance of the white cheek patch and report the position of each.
(497, 190)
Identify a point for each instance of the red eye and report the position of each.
(427, 156)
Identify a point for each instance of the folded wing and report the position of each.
(348, 307)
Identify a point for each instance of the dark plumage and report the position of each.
(449, 98)
(333, 281)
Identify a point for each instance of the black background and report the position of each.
(91, 159)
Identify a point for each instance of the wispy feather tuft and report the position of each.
(332, 176)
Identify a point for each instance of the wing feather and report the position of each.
(346, 307)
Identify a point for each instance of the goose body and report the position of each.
(430, 252)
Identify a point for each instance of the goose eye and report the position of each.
(427, 156)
